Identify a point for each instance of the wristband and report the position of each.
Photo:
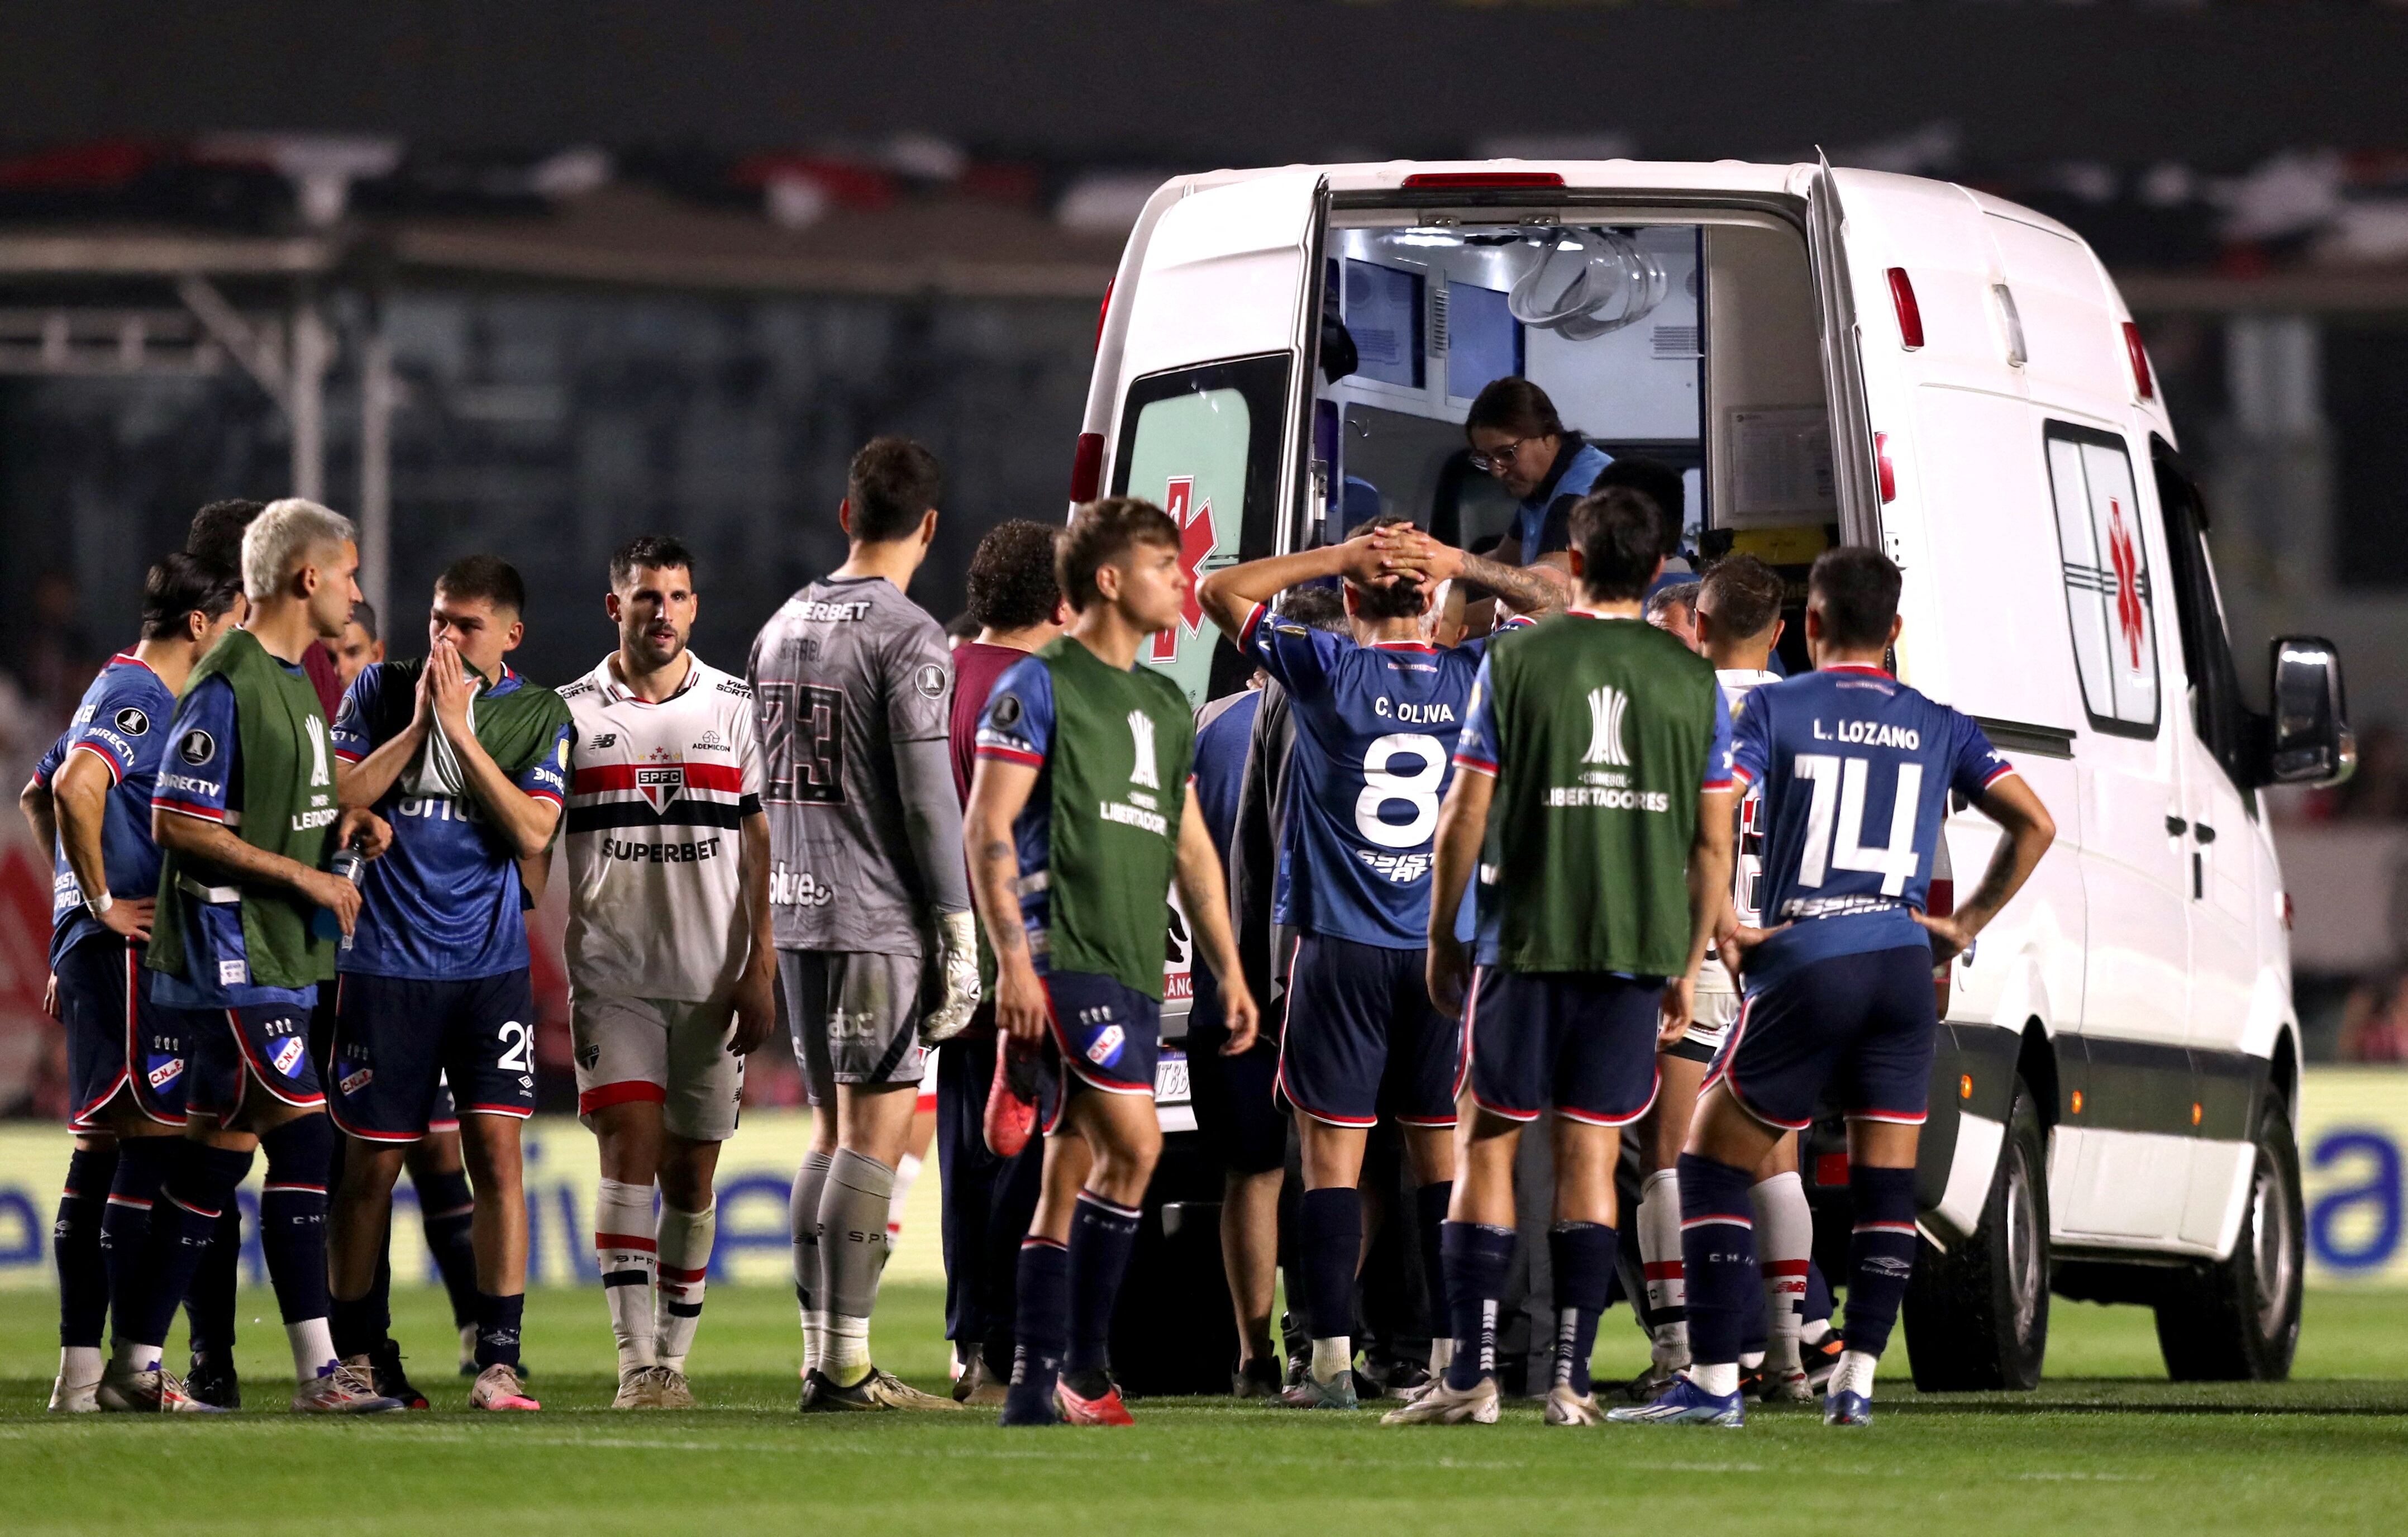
(98, 904)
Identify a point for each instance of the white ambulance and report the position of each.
(1836, 356)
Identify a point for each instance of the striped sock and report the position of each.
(628, 1256)
(1659, 1258)
(685, 1239)
(1785, 1244)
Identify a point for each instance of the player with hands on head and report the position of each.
(1837, 989)
(1376, 718)
(852, 685)
(1082, 814)
(88, 804)
(467, 762)
(1592, 794)
(671, 970)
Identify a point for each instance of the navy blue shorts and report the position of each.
(1581, 1041)
(1861, 1025)
(1107, 1034)
(229, 1049)
(1361, 1040)
(399, 1041)
(118, 1040)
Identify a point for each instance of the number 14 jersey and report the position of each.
(1855, 769)
(1375, 731)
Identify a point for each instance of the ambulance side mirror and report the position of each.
(2308, 740)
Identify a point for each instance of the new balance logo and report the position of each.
(1141, 738)
(1606, 706)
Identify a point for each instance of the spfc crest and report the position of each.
(660, 783)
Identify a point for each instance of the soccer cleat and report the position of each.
(74, 1398)
(1822, 1358)
(675, 1391)
(1438, 1405)
(392, 1382)
(1684, 1403)
(1789, 1387)
(1650, 1384)
(639, 1388)
(498, 1387)
(1256, 1377)
(1397, 1380)
(212, 1380)
(149, 1392)
(978, 1387)
(1312, 1393)
(1847, 1409)
(349, 1388)
(1104, 1408)
(876, 1391)
(1566, 1407)
(1011, 1117)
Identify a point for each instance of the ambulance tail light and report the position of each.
(2141, 379)
(1888, 471)
(1482, 181)
(1102, 311)
(1087, 467)
(1939, 901)
(1910, 314)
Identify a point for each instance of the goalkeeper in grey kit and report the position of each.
(851, 695)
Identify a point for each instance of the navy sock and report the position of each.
(447, 1210)
(1582, 1256)
(498, 1329)
(1429, 1204)
(379, 1297)
(1102, 1236)
(199, 1188)
(209, 1300)
(75, 1244)
(1041, 1322)
(1717, 1255)
(1329, 1231)
(1817, 1306)
(1881, 1252)
(293, 1214)
(1477, 1259)
(358, 1325)
(142, 1162)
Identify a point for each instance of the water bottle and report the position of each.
(347, 865)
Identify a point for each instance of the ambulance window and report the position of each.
(2218, 712)
(1202, 444)
(2109, 596)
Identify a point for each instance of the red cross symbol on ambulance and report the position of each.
(2130, 616)
(1196, 540)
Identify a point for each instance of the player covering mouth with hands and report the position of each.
(1081, 812)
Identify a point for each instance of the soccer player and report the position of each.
(1081, 813)
(466, 762)
(989, 1200)
(245, 814)
(1376, 717)
(359, 648)
(89, 802)
(1737, 621)
(670, 967)
(1838, 990)
(1592, 794)
(871, 904)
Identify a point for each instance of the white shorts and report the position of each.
(1711, 1017)
(670, 1053)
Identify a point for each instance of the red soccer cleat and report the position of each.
(1105, 1410)
(1012, 1099)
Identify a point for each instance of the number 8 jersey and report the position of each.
(1375, 731)
(1855, 769)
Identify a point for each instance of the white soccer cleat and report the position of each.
(153, 1391)
(674, 1391)
(498, 1387)
(639, 1388)
(68, 1398)
(1791, 1387)
(1566, 1407)
(1438, 1405)
(349, 1388)
(878, 1390)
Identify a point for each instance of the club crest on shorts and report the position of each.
(165, 1071)
(287, 1055)
(1105, 1048)
(660, 782)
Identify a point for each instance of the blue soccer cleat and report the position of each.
(1684, 1403)
(1847, 1409)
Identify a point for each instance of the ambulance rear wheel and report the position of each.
(1977, 1315)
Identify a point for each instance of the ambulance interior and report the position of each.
(1693, 343)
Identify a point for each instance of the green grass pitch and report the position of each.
(2106, 1446)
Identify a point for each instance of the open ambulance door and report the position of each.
(1854, 475)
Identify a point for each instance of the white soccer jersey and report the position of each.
(1747, 866)
(656, 795)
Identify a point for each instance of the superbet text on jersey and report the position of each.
(656, 793)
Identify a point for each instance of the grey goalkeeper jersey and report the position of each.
(841, 673)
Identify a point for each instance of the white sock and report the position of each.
(1660, 1253)
(129, 1357)
(684, 1239)
(907, 1168)
(1441, 1356)
(1720, 1379)
(1853, 1374)
(313, 1349)
(1332, 1355)
(1814, 1330)
(844, 1350)
(1785, 1244)
(80, 1367)
(1750, 1360)
(629, 1259)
